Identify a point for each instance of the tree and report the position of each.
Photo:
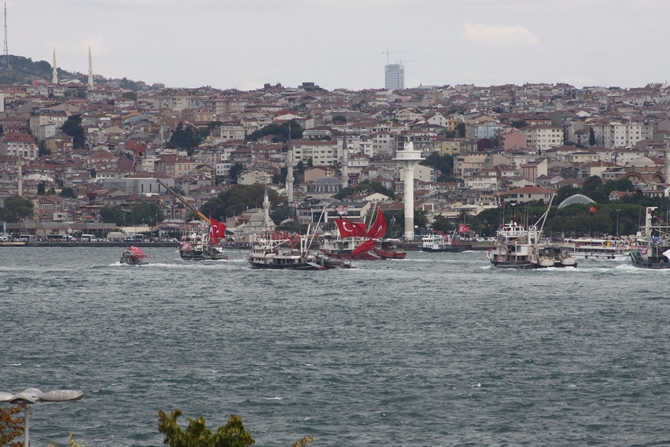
(339, 119)
(67, 192)
(235, 170)
(11, 426)
(41, 189)
(280, 214)
(460, 130)
(43, 150)
(113, 214)
(280, 132)
(186, 137)
(73, 128)
(233, 434)
(239, 198)
(519, 124)
(441, 223)
(16, 209)
(443, 163)
(146, 213)
(592, 137)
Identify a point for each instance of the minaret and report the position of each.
(289, 172)
(54, 70)
(266, 210)
(90, 68)
(20, 177)
(409, 158)
(345, 162)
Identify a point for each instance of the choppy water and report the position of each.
(438, 349)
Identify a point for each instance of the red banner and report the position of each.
(462, 228)
(217, 230)
(378, 228)
(365, 246)
(350, 229)
(593, 209)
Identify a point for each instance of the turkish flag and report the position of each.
(593, 209)
(365, 246)
(350, 229)
(378, 228)
(217, 230)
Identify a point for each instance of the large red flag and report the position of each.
(217, 230)
(365, 246)
(378, 228)
(350, 229)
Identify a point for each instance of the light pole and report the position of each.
(617, 222)
(30, 396)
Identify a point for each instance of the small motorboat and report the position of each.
(133, 256)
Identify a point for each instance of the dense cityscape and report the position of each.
(86, 151)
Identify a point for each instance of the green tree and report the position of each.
(41, 189)
(592, 137)
(43, 150)
(67, 192)
(113, 214)
(518, 124)
(280, 214)
(233, 434)
(11, 426)
(235, 170)
(73, 128)
(443, 163)
(460, 130)
(339, 119)
(16, 209)
(280, 132)
(235, 200)
(186, 137)
(443, 224)
(146, 213)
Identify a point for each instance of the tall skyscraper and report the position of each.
(395, 77)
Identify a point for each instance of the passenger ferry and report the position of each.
(601, 249)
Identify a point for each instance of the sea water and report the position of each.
(438, 349)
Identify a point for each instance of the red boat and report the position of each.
(388, 249)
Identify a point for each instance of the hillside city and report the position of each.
(79, 150)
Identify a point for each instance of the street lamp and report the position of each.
(617, 222)
(30, 396)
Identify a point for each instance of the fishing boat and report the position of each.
(655, 252)
(202, 241)
(197, 246)
(276, 250)
(522, 247)
(440, 242)
(600, 249)
(133, 256)
(358, 242)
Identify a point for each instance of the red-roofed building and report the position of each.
(528, 194)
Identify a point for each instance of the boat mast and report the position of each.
(182, 200)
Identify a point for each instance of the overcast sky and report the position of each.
(341, 43)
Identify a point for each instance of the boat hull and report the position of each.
(649, 262)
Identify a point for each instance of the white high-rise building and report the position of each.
(394, 77)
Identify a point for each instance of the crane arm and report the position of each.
(181, 199)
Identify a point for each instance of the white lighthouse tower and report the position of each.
(409, 158)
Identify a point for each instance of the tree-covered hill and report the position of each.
(24, 70)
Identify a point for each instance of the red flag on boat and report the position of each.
(378, 228)
(349, 229)
(217, 230)
(462, 228)
(365, 246)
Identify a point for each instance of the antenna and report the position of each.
(6, 51)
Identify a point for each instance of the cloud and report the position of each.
(499, 36)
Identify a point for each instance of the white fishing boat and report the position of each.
(655, 253)
(601, 249)
(523, 247)
(276, 250)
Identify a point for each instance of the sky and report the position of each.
(244, 44)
